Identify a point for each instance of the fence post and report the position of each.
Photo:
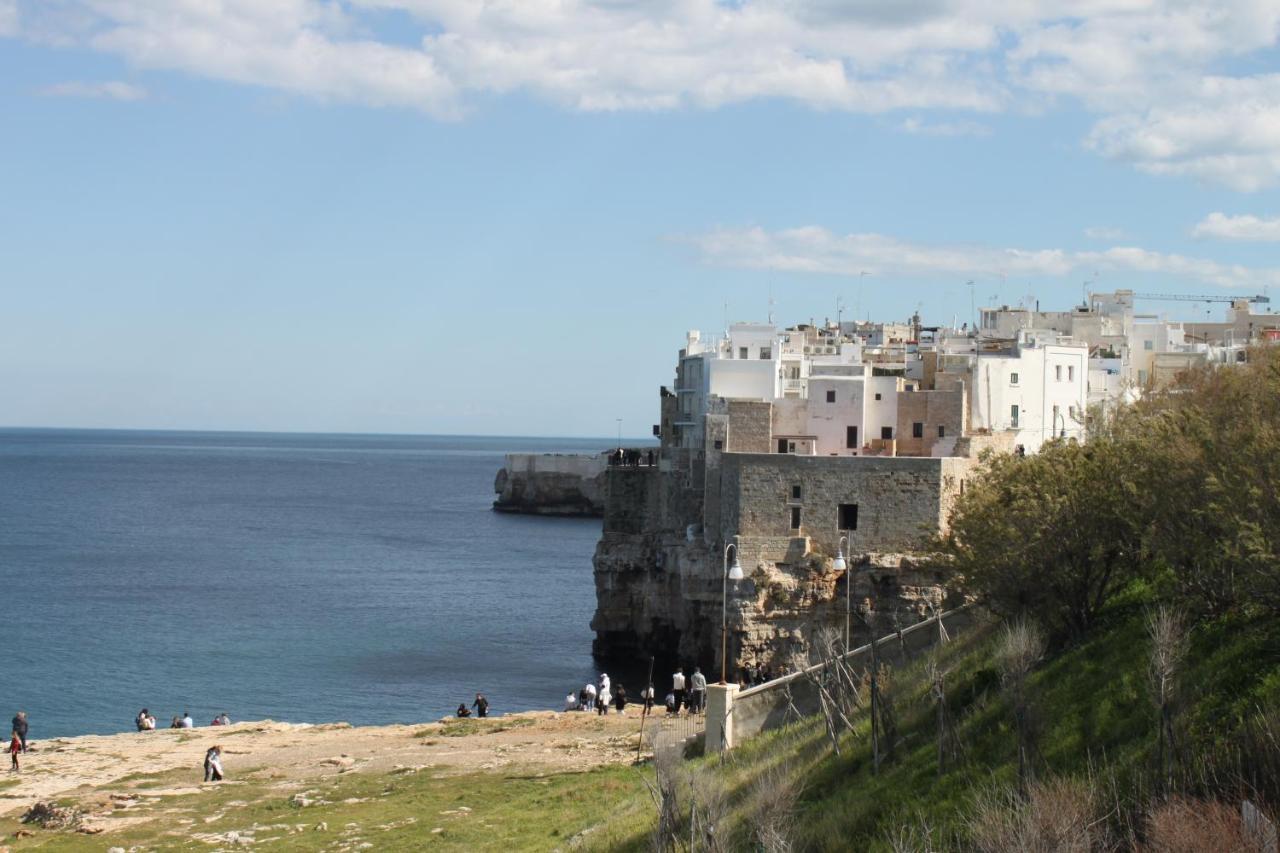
(720, 717)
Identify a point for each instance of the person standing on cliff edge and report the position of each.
(481, 705)
(677, 688)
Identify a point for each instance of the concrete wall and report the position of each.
(768, 706)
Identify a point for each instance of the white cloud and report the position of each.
(1253, 228)
(1224, 130)
(114, 90)
(1148, 70)
(817, 250)
(8, 17)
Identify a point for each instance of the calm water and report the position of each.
(296, 577)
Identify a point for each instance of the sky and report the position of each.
(502, 216)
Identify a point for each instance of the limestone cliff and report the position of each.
(659, 564)
(551, 484)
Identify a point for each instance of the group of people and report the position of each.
(481, 705)
(689, 692)
(756, 674)
(146, 721)
(632, 458)
(599, 697)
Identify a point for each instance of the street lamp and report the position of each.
(731, 573)
(841, 566)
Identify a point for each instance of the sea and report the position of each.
(295, 577)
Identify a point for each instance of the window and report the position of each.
(848, 516)
(877, 396)
(1013, 379)
(782, 445)
(1142, 377)
(1013, 416)
(1148, 345)
(851, 437)
(886, 433)
(796, 492)
(917, 430)
(765, 353)
(1055, 417)
(719, 444)
(742, 352)
(1071, 410)
(942, 432)
(831, 396)
(795, 518)
(1071, 373)
(1057, 372)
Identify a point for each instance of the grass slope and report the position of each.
(1093, 712)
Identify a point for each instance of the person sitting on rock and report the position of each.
(463, 710)
(225, 720)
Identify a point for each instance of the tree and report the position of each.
(1214, 481)
(1051, 535)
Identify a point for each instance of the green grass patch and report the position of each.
(598, 810)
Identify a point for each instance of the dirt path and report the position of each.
(543, 740)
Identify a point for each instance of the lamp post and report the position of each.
(731, 573)
(841, 566)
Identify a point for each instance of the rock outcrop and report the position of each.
(660, 563)
(552, 484)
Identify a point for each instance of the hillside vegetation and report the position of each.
(1125, 693)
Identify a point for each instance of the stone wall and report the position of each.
(900, 500)
(932, 409)
(750, 426)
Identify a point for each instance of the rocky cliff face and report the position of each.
(661, 596)
(563, 485)
(660, 584)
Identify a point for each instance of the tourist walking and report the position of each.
(20, 726)
(677, 688)
(213, 764)
(590, 704)
(698, 691)
(647, 696)
(481, 705)
(15, 746)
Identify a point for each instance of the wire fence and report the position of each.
(663, 731)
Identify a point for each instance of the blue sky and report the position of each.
(413, 216)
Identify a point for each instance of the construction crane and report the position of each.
(1181, 297)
